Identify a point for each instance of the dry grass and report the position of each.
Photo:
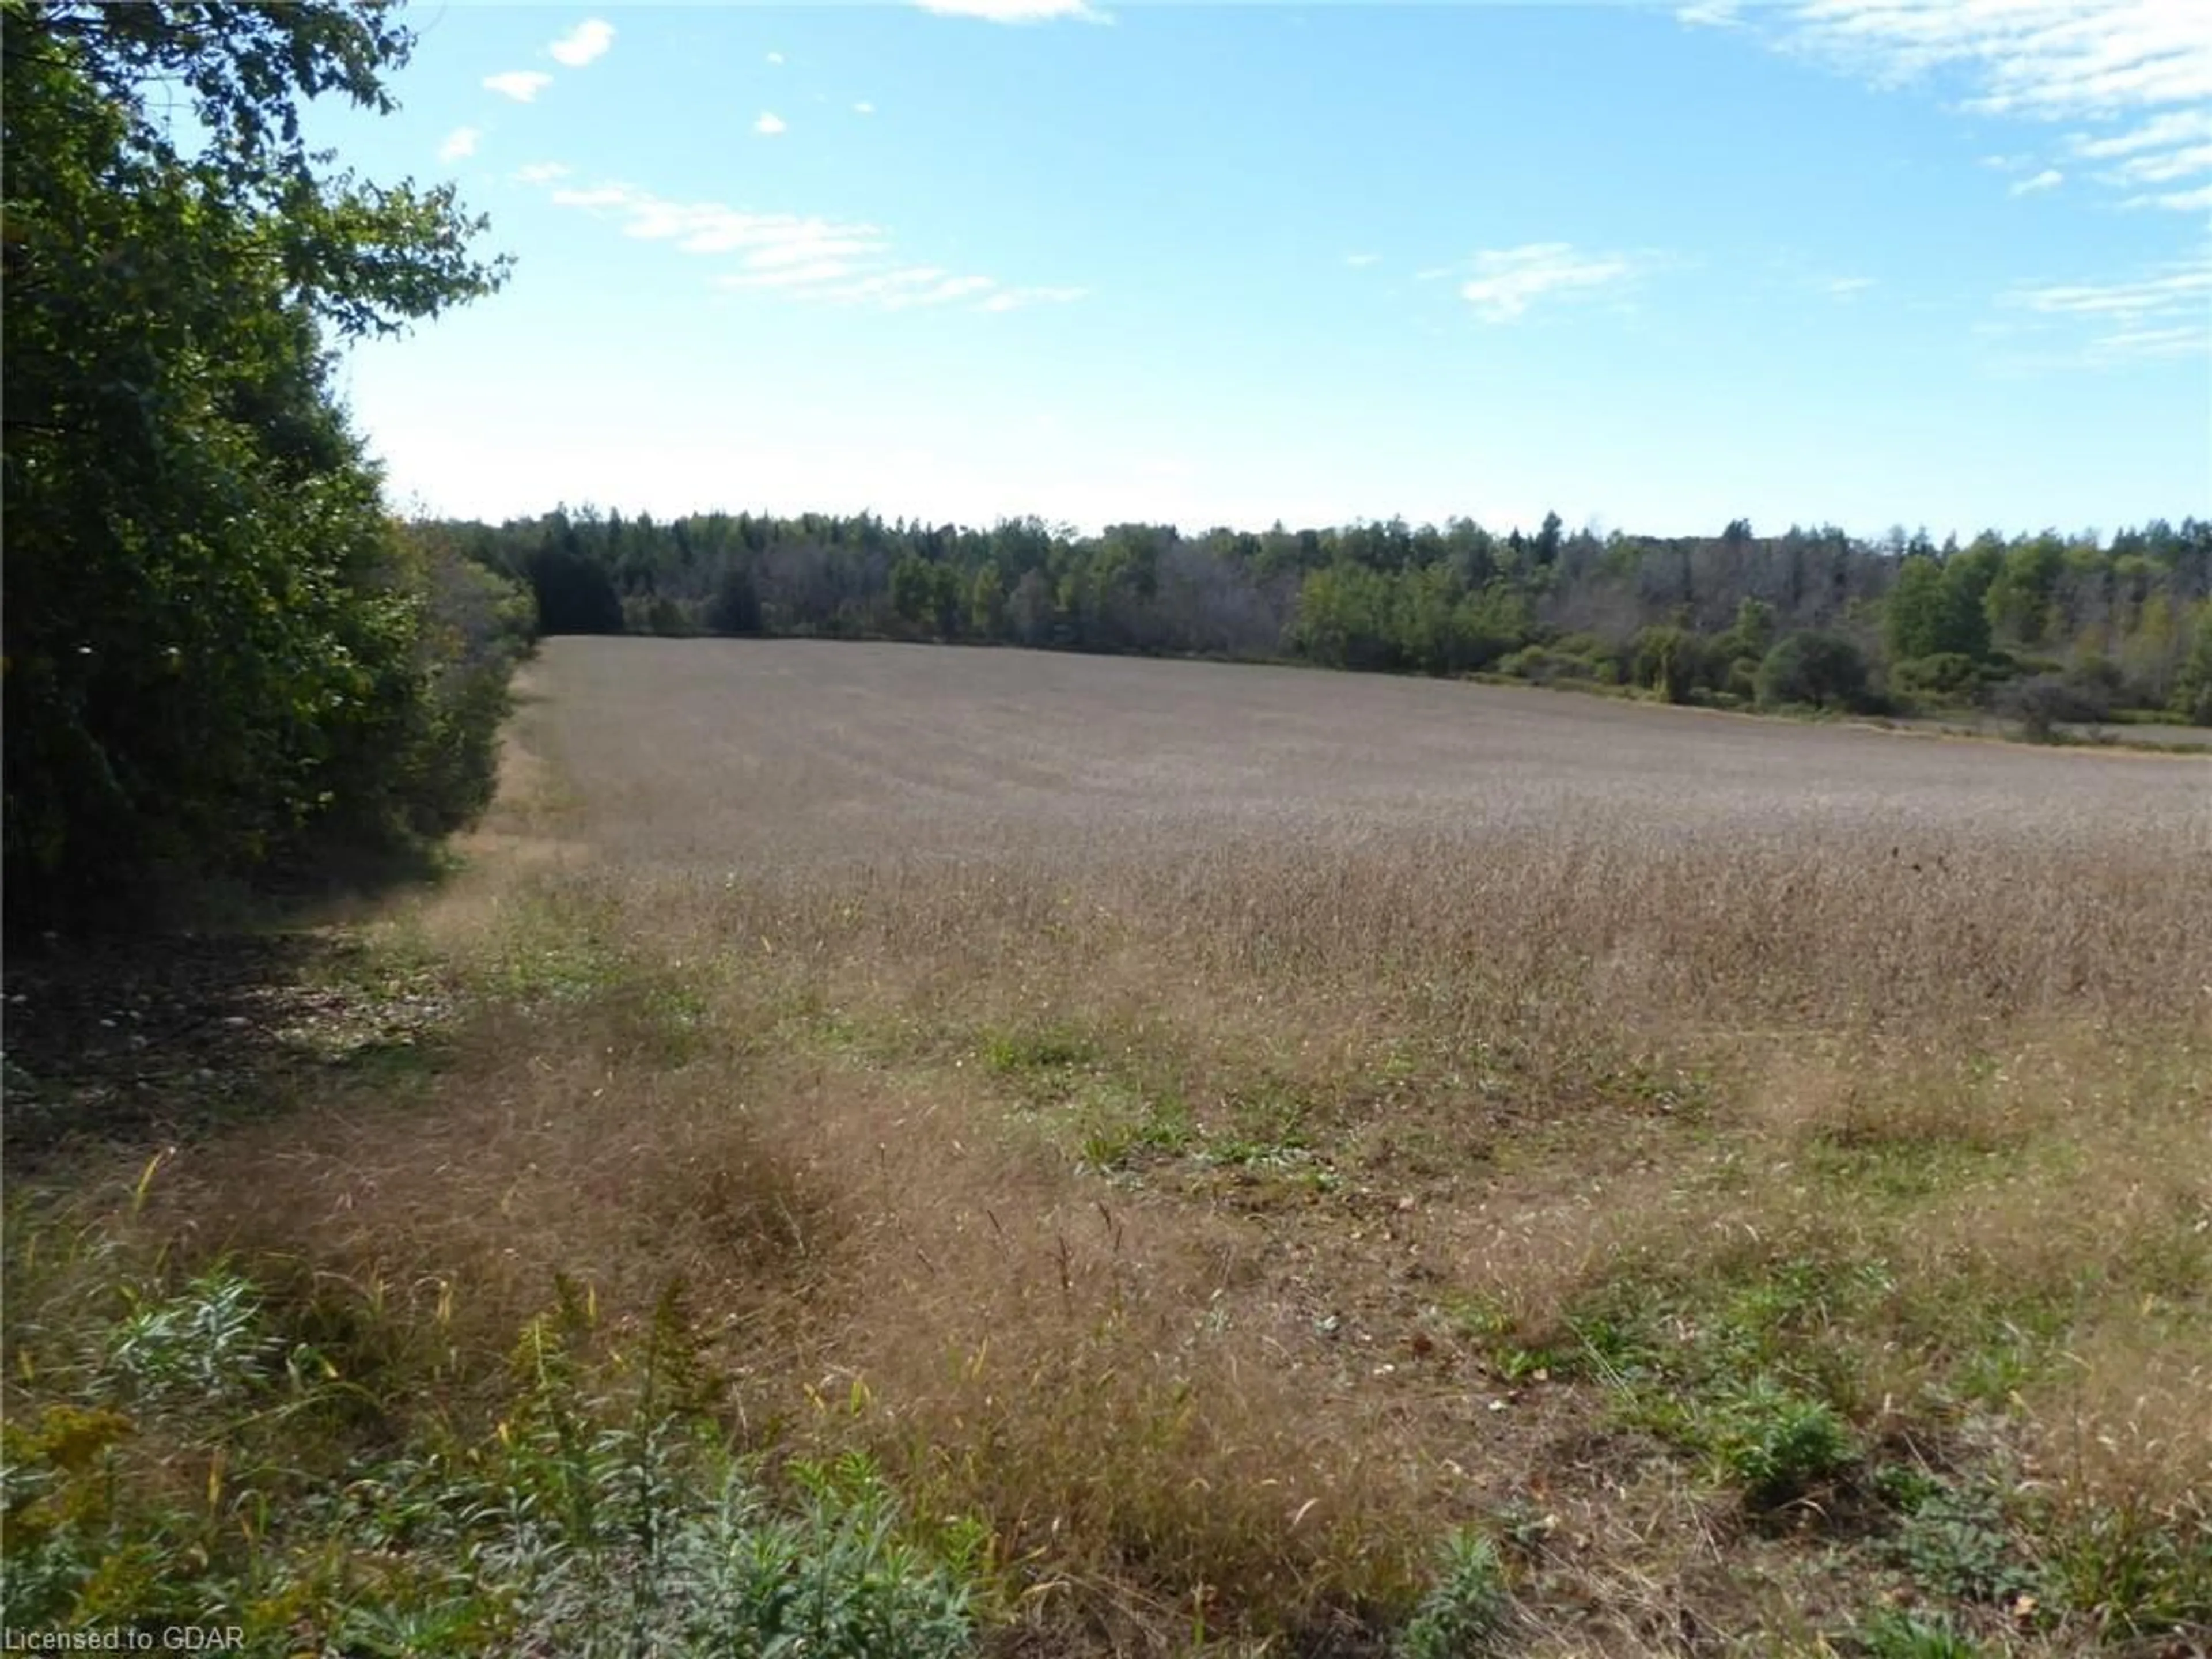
(1222, 1128)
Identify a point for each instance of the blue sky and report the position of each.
(1928, 262)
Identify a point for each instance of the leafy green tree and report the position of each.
(213, 638)
(1913, 624)
(1935, 610)
(986, 603)
(1822, 669)
(1669, 660)
(1488, 624)
(914, 590)
(1426, 596)
(1965, 622)
(2019, 599)
(1753, 634)
(1545, 547)
(2192, 685)
(945, 608)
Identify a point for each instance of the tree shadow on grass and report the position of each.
(152, 1040)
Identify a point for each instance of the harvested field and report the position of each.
(711, 751)
(1405, 1035)
(1212, 1135)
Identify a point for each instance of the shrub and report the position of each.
(2041, 703)
(2191, 699)
(1671, 660)
(1948, 676)
(1776, 1442)
(1465, 1615)
(1542, 666)
(1825, 671)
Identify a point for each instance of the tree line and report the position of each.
(222, 652)
(2044, 626)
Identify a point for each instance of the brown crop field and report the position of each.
(1227, 1138)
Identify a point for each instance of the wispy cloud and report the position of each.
(769, 125)
(2055, 57)
(842, 261)
(1360, 261)
(864, 108)
(1014, 11)
(2145, 63)
(2049, 179)
(1710, 14)
(460, 144)
(585, 43)
(775, 57)
(1845, 287)
(944, 293)
(541, 172)
(886, 284)
(2167, 166)
(2170, 147)
(1508, 281)
(2168, 313)
(2198, 200)
(2179, 126)
(522, 85)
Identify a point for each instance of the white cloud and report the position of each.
(541, 172)
(2049, 179)
(1842, 287)
(2182, 342)
(775, 57)
(864, 108)
(2153, 296)
(2165, 169)
(769, 125)
(522, 85)
(952, 288)
(1013, 11)
(2179, 201)
(460, 143)
(801, 256)
(2179, 126)
(1710, 14)
(2168, 313)
(1508, 281)
(1359, 261)
(887, 282)
(2100, 61)
(2055, 58)
(584, 44)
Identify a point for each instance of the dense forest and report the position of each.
(224, 654)
(2042, 628)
